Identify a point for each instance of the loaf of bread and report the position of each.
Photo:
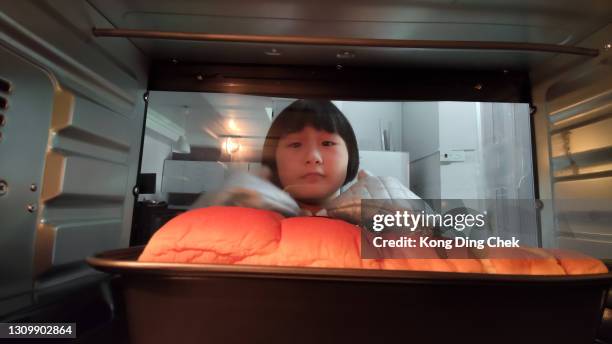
(235, 235)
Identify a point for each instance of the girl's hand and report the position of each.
(251, 191)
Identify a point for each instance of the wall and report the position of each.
(367, 118)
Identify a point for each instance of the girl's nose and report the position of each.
(313, 156)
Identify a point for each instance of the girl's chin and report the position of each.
(310, 196)
(310, 193)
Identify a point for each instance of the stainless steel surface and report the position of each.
(86, 182)
(563, 22)
(575, 149)
(341, 42)
(22, 155)
(72, 141)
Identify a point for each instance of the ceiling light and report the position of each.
(232, 124)
(231, 146)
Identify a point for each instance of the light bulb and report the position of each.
(231, 146)
(232, 124)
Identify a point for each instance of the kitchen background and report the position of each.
(477, 152)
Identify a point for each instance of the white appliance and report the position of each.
(183, 176)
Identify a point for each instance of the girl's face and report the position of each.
(311, 164)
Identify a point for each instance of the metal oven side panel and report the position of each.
(83, 145)
(22, 150)
(574, 145)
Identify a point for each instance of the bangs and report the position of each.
(319, 115)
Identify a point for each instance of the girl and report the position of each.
(311, 151)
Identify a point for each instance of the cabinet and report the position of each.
(442, 139)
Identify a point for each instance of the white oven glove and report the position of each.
(348, 205)
(248, 190)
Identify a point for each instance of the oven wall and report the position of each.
(71, 146)
(573, 127)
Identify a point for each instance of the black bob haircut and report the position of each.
(319, 114)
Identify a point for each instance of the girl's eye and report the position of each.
(329, 143)
(294, 145)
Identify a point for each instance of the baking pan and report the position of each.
(196, 303)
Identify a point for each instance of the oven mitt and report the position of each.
(396, 196)
(251, 191)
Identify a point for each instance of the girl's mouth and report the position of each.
(312, 177)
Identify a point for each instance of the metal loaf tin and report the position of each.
(195, 303)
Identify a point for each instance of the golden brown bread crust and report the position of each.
(223, 235)
(235, 235)
(521, 261)
(575, 263)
